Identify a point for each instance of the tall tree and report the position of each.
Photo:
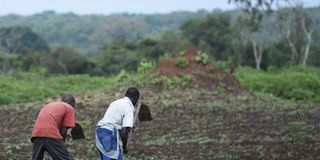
(255, 10)
(65, 59)
(241, 38)
(212, 33)
(295, 26)
(118, 55)
(19, 39)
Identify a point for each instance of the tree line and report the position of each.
(253, 36)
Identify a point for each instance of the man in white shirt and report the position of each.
(117, 123)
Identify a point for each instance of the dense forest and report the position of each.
(89, 32)
(96, 44)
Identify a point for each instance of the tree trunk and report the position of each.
(294, 52)
(5, 64)
(308, 34)
(306, 54)
(257, 51)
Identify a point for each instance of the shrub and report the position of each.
(182, 62)
(298, 83)
(202, 57)
(145, 66)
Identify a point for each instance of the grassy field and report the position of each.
(29, 87)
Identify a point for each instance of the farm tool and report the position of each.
(142, 113)
(76, 132)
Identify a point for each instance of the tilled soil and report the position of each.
(187, 124)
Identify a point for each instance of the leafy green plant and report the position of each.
(145, 66)
(123, 75)
(298, 131)
(261, 155)
(202, 57)
(223, 138)
(178, 81)
(182, 62)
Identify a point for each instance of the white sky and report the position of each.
(29, 7)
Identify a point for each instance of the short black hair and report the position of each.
(68, 98)
(133, 94)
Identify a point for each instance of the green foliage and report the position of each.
(89, 32)
(65, 59)
(145, 66)
(261, 155)
(298, 83)
(178, 81)
(202, 57)
(20, 39)
(182, 62)
(212, 33)
(123, 75)
(151, 48)
(26, 87)
(298, 131)
(118, 55)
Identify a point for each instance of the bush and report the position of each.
(145, 66)
(202, 57)
(298, 83)
(182, 62)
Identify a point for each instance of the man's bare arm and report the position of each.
(124, 137)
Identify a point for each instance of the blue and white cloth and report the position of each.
(108, 142)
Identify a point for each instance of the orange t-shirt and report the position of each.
(51, 119)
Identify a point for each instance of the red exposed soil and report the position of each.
(205, 75)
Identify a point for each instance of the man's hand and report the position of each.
(68, 134)
(125, 150)
(124, 137)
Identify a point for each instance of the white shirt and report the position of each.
(120, 113)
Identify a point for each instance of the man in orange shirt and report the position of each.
(46, 134)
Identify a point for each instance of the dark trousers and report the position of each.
(55, 147)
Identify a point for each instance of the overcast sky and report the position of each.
(29, 7)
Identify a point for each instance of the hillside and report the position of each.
(218, 120)
(89, 32)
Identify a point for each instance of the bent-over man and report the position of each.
(46, 134)
(114, 127)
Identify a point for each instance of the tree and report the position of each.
(212, 33)
(65, 59)
(173, 42)
(241, 38)
(151, 48)
(295, 26)
(255, 10)
(122, 28)
(19, 39)
(118, 55)
(30, 60)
